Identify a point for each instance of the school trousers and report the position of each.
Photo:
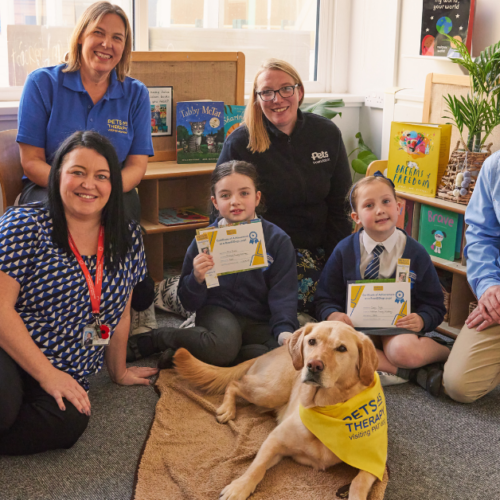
(222, 338)
(30, 419)
(473, 367)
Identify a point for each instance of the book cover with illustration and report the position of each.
(454, 18)
(438, 231)
(418, 156)
(200, 131)
(233, 117)
(181, 215)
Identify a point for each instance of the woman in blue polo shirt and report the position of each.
(90, 92)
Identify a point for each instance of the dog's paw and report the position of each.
(239, 489)
(225, 414)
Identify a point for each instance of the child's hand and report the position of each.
(201, 264)
(412, 322)
(338, 316)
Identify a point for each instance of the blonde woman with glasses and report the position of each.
(303, 168)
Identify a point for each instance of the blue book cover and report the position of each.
(200, 131)
(233, 118)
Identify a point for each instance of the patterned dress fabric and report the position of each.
(54, 301)
(310, 263)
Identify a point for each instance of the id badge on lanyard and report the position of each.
(96, 333)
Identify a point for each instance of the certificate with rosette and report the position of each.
(377, 304)
(236, 248)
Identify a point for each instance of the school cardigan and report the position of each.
(427, 298)
(267, 295)
(304, 179)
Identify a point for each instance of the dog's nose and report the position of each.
(315, 366)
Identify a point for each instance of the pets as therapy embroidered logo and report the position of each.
(320, 157)
(117, 126)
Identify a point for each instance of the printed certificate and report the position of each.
(377, 304)
(236, 247)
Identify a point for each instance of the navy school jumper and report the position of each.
(427, 298)
(266, 295)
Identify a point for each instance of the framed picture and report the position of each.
(161, 110)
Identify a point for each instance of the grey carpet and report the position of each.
(438, 449)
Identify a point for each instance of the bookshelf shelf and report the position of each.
(460, 294)
(152, 228)
(434, 202)
(455, 266)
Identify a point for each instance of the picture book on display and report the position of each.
(181, 215)
(200, 131)
(454, 18)
(418, 156)
(233, 117)
(439, 230)
(405, 215)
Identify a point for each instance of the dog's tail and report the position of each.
(213, 379)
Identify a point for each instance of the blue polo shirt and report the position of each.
(55, 104)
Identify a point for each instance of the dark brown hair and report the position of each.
(236, 167)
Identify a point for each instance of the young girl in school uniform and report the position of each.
(373, 253)
(249, 313)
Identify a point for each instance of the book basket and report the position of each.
(461, 161)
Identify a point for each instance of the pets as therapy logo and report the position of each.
(320, 157)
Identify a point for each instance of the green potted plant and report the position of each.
(476, 114)
(479, 111)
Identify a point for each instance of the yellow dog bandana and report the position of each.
(356, 431)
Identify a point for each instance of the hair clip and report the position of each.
(378, 173)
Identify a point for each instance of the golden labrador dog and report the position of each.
(330, 363)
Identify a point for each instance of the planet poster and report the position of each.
(454, 18)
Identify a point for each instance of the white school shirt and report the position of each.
(394, 247)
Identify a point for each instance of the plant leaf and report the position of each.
(324, 107)
(359, 167)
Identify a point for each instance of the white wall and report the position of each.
(383, 48)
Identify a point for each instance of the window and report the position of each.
(286, 29)
(35, 33)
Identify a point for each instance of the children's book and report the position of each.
(418, 156)
(409, 216)
(233, 118)
(200, 131)
(454, 18)
(438, 231)
(181, 215)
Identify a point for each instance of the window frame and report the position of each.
(332, 59)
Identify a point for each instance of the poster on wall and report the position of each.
(161, 110)
(454, 18)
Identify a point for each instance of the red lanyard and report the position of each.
(94, 290)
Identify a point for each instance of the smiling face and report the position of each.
(376, 209)
(102, 45)
(85, 184)
(281, 112)
(236, 198)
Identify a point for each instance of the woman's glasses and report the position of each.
(269, 95)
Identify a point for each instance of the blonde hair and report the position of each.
(352, 196)
(92, 16)
(258, 137)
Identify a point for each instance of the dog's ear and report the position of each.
(295, 345)
(368, 360)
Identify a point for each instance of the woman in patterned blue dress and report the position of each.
(51, 256)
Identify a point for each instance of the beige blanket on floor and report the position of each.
(190, 456)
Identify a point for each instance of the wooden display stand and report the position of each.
(217, 76)
(436, 87)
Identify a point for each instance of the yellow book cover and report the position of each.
(418, 156)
